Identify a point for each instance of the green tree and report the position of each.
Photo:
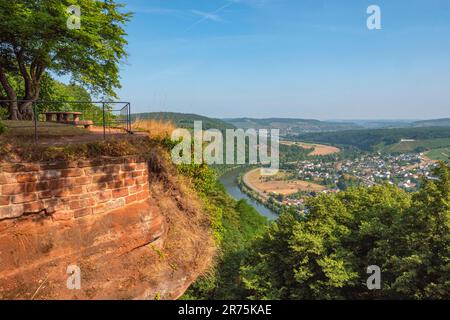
(422, 258)
(35, 38)
(324, 253)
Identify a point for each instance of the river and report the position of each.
(229, 180)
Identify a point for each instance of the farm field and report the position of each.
(442, 154)
(277, 185)
(317, 149)
(414, 146)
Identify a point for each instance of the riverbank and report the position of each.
(230, 181)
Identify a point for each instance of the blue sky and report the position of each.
(289, 58)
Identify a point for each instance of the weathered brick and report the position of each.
(82, 212)
(130, 199)
(137, 174)
(141, 166)
(12, 189)
(13, 168)
(102, 178)
(11, 211)
(16, 167)
(26, 177)
(68, 191)
(119, 193)
(103, 196)
(92, 163)
(128, 167)
(116, 160)
(37, 186)
(33, 206)
(77, 204)
(45, 194)
(52, 205)
(143, 195)
(62, 215)
(6, 178)
(140, 180)
(110, 169)
(83, 180)
(71, 172)
(56, 184)
(50, 174)
(99, 209)
(135, 189)
(128, 182)
(58, 165)
(115, 204)
(4, 200)
(115, 184)
(96, 187)
(22, 198)
(84, 163)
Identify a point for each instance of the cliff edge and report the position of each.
(100, 228)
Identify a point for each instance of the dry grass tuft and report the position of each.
(189, 244)
(156, 129)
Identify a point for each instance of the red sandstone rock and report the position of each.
(94, 214)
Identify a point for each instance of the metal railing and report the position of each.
(111, 116)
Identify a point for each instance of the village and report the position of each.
(306, 178)
(402, 170)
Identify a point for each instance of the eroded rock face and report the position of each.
(122, 231)
(115, 252)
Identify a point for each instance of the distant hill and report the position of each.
(378, 124)
(385, 124)
(380, 139)
(433, 123)
(184, 120)
(291, 126)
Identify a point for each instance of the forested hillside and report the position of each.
(292, 126)
(374, 139)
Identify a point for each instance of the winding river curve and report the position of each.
(229, 180)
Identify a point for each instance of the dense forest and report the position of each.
(324, 253)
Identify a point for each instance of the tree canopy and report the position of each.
(324, 254)
(35, 39)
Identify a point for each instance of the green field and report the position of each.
(439, 154)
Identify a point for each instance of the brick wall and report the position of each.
(68, 190)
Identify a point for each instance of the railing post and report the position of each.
(104, 122)
(35, 122)
(129, 117)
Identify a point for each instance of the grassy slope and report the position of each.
(236, 225)
(183, 120)
(411, 146)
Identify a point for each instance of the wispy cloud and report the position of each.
(207, 15)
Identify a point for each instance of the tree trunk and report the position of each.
(32, 78)
(13, 105)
